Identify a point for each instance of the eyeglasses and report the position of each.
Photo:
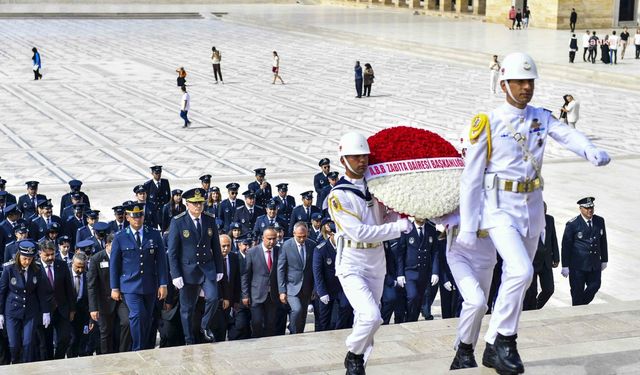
(233, 193)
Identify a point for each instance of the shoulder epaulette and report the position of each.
(320, 245)
(5, 264)
(479, 123)
(206, 213)
(181, 214)
(572, 220)
(550, 113)
(239, 208)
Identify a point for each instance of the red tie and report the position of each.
(269, 261)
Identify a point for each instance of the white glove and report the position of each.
(596, 156)
(404, 225)
(565, 271)
(434, 279)
(467, 239)
(1, 321)
(401, 281)
(325, 299)
(604, 265)
(219, 276)
(46, 319)
(448, 286)
(178, 282)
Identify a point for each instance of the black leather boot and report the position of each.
(507, 359)
(354, 363)
(489, 356)
(464, 357)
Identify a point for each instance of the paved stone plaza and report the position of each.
(108, 105)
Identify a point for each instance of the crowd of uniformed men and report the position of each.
(196, 268)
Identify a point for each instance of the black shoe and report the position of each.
(464, 357)
(207, 335)
(428, 317)
(354, 363)
(489, 356)
(507, 359)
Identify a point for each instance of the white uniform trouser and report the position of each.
(493, 83)
(517, 272)
(364, 294)
(472, 270)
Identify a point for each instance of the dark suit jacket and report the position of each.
(227, 212)
(583, 248)
(25, 204)
(324, 270)
(99, 288)
(233, 278)
(257, 282)
(285, 207)
(547, 252)
(246, 219)
(294, 276)
(418, 258)
(82, 303)
(299, 214)
(65, 201)
(63, 293)
(159, 197)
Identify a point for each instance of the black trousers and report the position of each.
(220, 323)
(593, 55)
(572, 56)
(264, 318)
(359, 87)
(584, 285)
(36, 74)
(216, 72)
(572, 25)
(107, 328)
(62, 327)
(534, 300)
(637, 51)
(337, 314)
(416, 295)
(393, 303)
(584, 53)
(241, 327)
(367, 90)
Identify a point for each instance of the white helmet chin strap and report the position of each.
(346, 162)
(506, 83)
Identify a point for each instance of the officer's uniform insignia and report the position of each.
(242, 221)
(322, 181)
(35, 280)
(210, 232)
(329, 261)
(412, 240)
(526, 66)
(601, 232)
(579, 234)
(430, 239)
(152, 251)
(14, 281)
(299, 217)
(535, 125)
(185, 233)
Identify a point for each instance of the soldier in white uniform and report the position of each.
(362, 224)
(501, 192)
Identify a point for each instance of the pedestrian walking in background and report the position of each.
(585, 45)
(182, 76)
(185, 105)
(573, 18)
(216, 57)
(526, 15)
(512, 17)
(636, 41)
(519, 20)
(613, 48)
(573, 47)
(604, 49)
(275, 69)
(624, 40)
(571, 110)
(494, 68)
(593, 47)
(358, 77)
(37, 64)
(563, 112)
(368, 79)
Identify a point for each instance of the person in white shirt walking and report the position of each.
(494, 67)
(585, 45)
(572, 110)
(275, 69)
(636, 41)
(613, 48)
(185, 105)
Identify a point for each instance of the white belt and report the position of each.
(526, 186)
(361, 245)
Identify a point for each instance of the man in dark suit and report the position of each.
(66, 199)
(267, 220)
(102, 307)
(139, 284)
(320, 180)
(546, 259)
(158, 191)
(261, 188)
(28, 203)
(303, 212)
(295, 275)
(260, 285)
(241, 326)
(229, 290)
(195, 263)
(229, 206)
(82, 323)
(285, 202)
(584, 253)
(62, 305)
(247, 214)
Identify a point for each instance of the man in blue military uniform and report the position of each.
(66, 201)
(195, 262)
(304, 211)
(138, 271)
(64, 249)
(3, 203)
(321, 179)
(28, 203)
(75, 222)
(21, 233)
(12, 215)
(10, 198)
(100, 232)
(69, 210)
(417, 264)
(584, 253)
(88, 230)
(267, 220)
(229, 206)
(246, 215)
(39, 224)
(332, 178)
(393, 295)
(285, 202)
(205, 181)
(261, 188)
(119, 222)
(158, 191)
(150, 217)
(315, 229)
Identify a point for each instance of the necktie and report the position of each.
(226, 260)
(76, 284)
(120, 226)
(270, 222)
(251, 211)
(589, 224)
(138, 240)
(301, 249)
(420, 234)
(24, 275)
(158, 185)
(50, 275)
(198, 230)
(34, 202)
(269, 260)
(307, 211)
(233, 206)
(48, 221)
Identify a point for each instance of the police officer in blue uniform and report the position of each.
(12, 215)
(40, 223)
(88, 230)
(335, 310)
(138, 273)
(21, 233)
(10, 198)
(75, 222)
(28, 203)
(158, 191)
(3, 203)
(229, 206)
(196, 263)
(261, 187)
(150, 217)
(332, 178)
(393, 296)
(119, 222)
(24, 302)
(246, 215)
(269, 219)
(320, 180)
(171, 209)
(584, 253)
(315, 229)
(304, 211)
(285, 202)
(205, 181)
(69, 210)
(65, 201)
(214, 199)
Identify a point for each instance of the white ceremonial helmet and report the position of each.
(353, 143)
(518, 65)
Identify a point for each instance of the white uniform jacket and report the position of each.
(482, 204)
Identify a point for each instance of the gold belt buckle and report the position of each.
(508, 185)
